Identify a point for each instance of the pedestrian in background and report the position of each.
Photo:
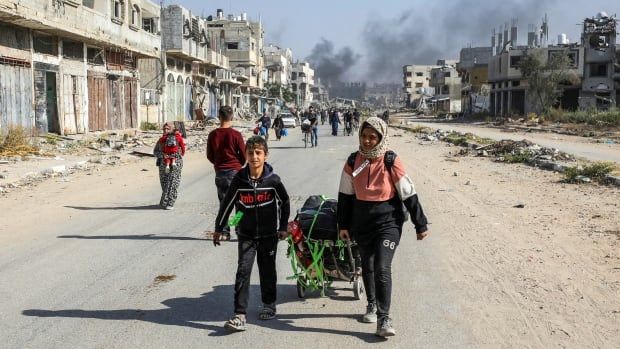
(169, 178)
(226, 151)
(265, 124)
(334, 121)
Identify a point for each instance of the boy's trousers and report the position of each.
(265, 252)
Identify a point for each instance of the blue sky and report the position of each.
(417, 30)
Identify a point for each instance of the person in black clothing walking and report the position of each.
(259, 194)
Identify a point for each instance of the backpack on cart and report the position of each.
(318, 218)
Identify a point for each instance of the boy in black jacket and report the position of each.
(260, 195)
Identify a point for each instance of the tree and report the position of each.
(545, 77)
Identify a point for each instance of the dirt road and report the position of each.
(81, 259)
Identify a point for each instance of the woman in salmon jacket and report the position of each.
(374, 198)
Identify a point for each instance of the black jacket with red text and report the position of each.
(264, 202)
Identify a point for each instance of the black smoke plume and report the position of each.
(424, 34)
(331, 66)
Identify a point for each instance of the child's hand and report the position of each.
(421, 236)
(216, 238)
(344, 234)
(283, 234)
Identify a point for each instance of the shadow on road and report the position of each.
(128, 237)
(214, 306)
(145, 207)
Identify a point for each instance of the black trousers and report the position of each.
(223, 178)
(377, 250)
(265, 252)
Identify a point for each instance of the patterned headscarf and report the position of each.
(381, 127)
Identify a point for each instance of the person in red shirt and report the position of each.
(226, 151)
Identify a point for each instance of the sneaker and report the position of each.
(236, 323)
(169, 208)
(167, 169)
(268, 312)
(385, 328)
(371, 314)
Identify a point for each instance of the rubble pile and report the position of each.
(504, 151)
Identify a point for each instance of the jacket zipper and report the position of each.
(255, 184)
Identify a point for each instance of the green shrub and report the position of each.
(596, 171)
(589, 117)
(149, 126)
(17, 142)
(521, 158)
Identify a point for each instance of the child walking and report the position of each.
(258, 193)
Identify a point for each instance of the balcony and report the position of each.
(217, 59)
(241, 57)
(67, 19)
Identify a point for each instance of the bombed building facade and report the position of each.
(593, 61)
(60, 73)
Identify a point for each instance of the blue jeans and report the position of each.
(314, 136)
(223, 178)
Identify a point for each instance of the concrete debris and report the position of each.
(583, 179)
(519, 206)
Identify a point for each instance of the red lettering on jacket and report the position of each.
(260, 198)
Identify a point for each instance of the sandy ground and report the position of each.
(545, 275)
(542, 276)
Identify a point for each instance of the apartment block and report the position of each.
(416, 81)
(242, 40)
(302, 80)
(187, 78)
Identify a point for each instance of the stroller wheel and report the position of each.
(301, 290)
(358, 289)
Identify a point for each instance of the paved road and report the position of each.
(79, 262)
(578, 146)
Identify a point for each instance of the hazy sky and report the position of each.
(378, 37)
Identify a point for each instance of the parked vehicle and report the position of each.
(289, 120)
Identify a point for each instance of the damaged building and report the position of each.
(70, 66)
(593, 63)
(188, 79)
(473, 68)
(302, 80)
(416, 81)
(242, 40)
(600, 88)
(446, 83)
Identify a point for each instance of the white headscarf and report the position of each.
(381, 127)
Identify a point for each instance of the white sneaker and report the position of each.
(371, 314)
(385, 328)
